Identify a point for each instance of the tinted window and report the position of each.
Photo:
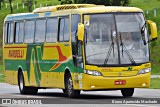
(61, 30)
(19, 32)
(64, 29)
(9, 28)
(40, 30)
(51, 31)
(29, 32)
(6, 32)
(75, 21)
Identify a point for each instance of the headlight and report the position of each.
(145, 70)
(95, 73)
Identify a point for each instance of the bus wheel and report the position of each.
(69, 88)
(128, 92)
(64, 91)
(23, 89)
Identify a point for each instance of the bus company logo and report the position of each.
(129, 68)
(16, 53)
(106, 69)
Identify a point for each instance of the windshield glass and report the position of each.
(101, 39)
(115, 40)
(133, 48)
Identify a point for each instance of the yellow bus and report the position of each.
(78, 47)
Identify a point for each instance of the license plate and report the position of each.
(120, 82)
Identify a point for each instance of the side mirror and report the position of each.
(153, 28)
(80, 32)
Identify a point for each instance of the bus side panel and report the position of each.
(46, 63)
(14, 57)
(59, 58)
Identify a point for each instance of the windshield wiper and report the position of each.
(126, 51)
(110, 50)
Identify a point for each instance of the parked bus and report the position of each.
(78, 47)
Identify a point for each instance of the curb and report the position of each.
(155, 76)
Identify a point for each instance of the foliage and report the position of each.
(1, 3)
(11, 8)
(155, 83)
(66, 1)
(105, 2)
(29, 4)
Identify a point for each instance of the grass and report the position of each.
(2, 78)
(146, 4)
(1, 72)
(155, 83)
(1, 69)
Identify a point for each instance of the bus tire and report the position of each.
(23, 89)
(69, 88)
(65, 92)
(128, 92)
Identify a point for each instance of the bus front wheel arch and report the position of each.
(69, 89)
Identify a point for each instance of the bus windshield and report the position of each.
(116, 39)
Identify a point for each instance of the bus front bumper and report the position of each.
(90, 82)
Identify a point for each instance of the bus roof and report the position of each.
(110, 9)
(87, 7)
(74, 8)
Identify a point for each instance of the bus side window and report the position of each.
(11, 33)
(74, 27)
(40, 30)
(29, 31)
(63, 30)
(9, 30)
(19, 29)
(6, 32)
(79, 57)
(51, 30)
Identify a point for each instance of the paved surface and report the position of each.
(87, 99)
(155, 76)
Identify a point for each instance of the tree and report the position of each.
(29, 4)
(1, 3)
(104, 2)
(66, 1)
(11, 8)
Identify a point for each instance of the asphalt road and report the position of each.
(87, 99)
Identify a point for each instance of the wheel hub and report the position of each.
(21, 83)
(70, 86)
